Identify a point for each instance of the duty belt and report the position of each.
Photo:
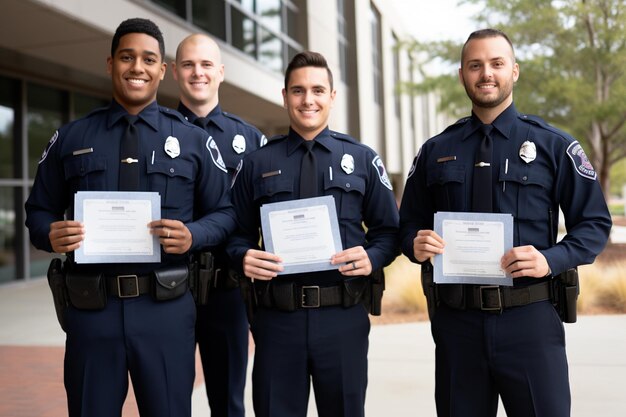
(495, 298)
(128, 286)
(223, 279)
(291, 297)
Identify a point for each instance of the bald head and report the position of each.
(199, 71)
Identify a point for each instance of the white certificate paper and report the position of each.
(475, 242)
(116, 226)
(304, 233)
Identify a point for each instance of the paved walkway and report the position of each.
(401, 366)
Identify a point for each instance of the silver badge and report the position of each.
(528, 152)
(172, 147)
(239, 144)
(347, 163)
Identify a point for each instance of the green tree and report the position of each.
(572, 57)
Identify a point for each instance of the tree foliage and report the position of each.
(572, 57)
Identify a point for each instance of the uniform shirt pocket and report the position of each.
(173, 179)
(271, 189)
(526, 191)
(446, 184)
(348, 191)
(86, 173)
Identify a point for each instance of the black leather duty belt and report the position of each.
(224, 279)
(128, 286)
(306, 296)
(495, 298)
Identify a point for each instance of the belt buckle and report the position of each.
(129, 278)
(482, 304)
(303, 299)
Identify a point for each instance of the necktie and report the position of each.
(201, 122)
(482, 184)
(129, 156)
(308, 172)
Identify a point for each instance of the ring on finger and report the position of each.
(168, 233)
(354, 265)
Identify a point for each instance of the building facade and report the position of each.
(53, 69)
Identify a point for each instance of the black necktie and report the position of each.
(481, 192)
(201, 122)
(308, 172)
(129, 155)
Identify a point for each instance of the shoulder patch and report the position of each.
(216, 156)
(51, 142)
(262, 141)
(581, 162)
(382, 172)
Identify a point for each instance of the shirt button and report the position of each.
(347, 185)
(524, 178)
(171, 170)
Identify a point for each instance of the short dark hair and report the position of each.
(308, 59)
(487, 33)
(138, 25)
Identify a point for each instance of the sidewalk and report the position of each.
(401, 364)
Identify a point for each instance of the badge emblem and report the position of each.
(239, 144)
(347, 163)
(382, 172)
(172, 147)
(581, 162)
(528, 152)
(216, 156)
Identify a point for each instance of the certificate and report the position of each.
(304, 233)
(116, 226)
(475, 242)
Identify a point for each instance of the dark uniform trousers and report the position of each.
(329, 343)
(104, 346)
(518, 354)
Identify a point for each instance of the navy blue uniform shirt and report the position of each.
(84, 155)
(234, 136)
(558, 176)
(350, 172)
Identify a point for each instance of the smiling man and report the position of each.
(314, 325)
(221, 324)
(131, 317)
(495, 341)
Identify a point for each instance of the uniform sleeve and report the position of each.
(246, 236)
(416, 211)
(49, 197)
(587, 218)
(214, 216)
(380, 215)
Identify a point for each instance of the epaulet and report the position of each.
(343, 136)
(531, 118)
(236, 118)
(457, 124)
(173, 114)
(275, 139)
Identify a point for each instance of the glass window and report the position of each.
(243, 33)
(44, 117)
(178, 7)
(292, 22)
(270, 14)
(245, 4)
(210, 16)
(7, 234)
(83, 105)
(271, 51)
(8, 93)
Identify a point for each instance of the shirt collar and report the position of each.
(215, 116)
(295, 140)
(150, 114)
(503, 123)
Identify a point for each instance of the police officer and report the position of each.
(135, 318)
(313, 325)
(503, 341)
(221, 324)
